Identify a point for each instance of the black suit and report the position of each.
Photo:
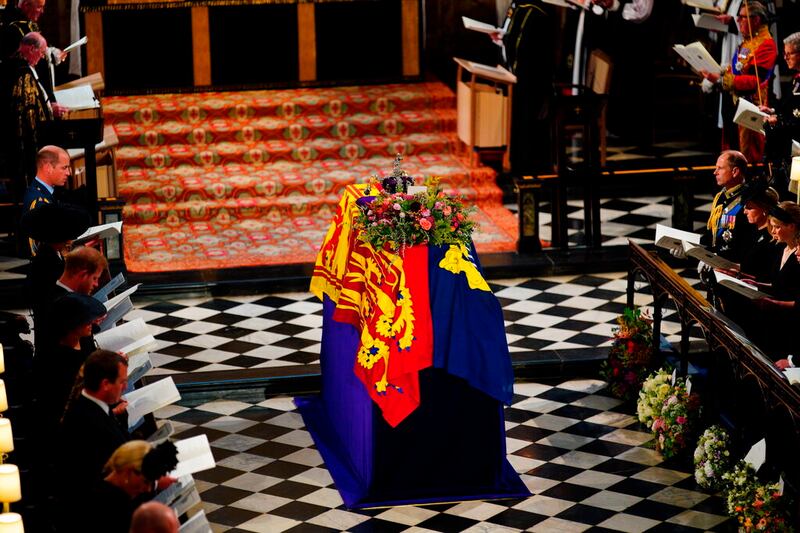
(90, 436)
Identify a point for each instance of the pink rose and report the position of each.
(447, 210)
(397, 207)
(681, 420)
(425, 224)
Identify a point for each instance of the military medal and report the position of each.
(727, 235)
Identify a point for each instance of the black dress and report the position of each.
(112, 509)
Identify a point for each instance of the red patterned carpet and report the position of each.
(224, 180)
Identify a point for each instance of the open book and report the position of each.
(77, 98)
(118, 306)
(149, 399)
(126, 338)
(739, 286)
(138, 366)
(708, 257)
(196, 524)
(749, 116)
(186, 502)
(709, 22)
(698, 57)
(673, 239)
(482, 27)
(718, 6)
(161, 434)
(194, 455)
(793, 375)
(101, 295)
(130, 338)
(101, 232)
(183, 485)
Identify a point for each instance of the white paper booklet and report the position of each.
(182, 486)
(793, 375)
(717, 6)
(125, 337)
(119, 298)
(122, 308)
(709, 22)
(476, 25)
(672, 238)
(795, 148)
(708, 257)
(80, 42)
(76, 98)
(185, 502)
(750, 116)
(149, 399)
(194, 455)
(102, 293)
(161, 434)
(739, 286)
(757, 454)
(196, 524)
(138, 366)
(101, 232)
(698, 57)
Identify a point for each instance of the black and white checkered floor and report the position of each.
(204, 334)
(584, 457)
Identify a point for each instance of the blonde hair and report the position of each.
(129, 455)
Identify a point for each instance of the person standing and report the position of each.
(783, 124)
(750, 71)
(727, 231)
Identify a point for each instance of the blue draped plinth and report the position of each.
(452, 447)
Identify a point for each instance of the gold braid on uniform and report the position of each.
(717, 209)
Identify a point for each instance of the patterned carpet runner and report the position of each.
(224, 180)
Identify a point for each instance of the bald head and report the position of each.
(32, 47)
(154, 517)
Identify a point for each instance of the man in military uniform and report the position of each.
(727, 231)
(750, 71)
(52, 170)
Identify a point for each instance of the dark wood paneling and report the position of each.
(148, 49)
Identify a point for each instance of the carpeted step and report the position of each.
(260, 152)
(222, 180)
(191, 183)
(332, 101)
(222, 242)
(302, 128)
(200, 206)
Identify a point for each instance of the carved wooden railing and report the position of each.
(754, 374)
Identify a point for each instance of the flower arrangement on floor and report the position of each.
(712, 458)
(673, 411)
(756, 506)
(396, 219)
(655, 390)
(631, 354)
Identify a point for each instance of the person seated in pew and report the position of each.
(133, 472)
(756, 261)
(772, 327)
(83, 268)
(94, 425)
(56, 367)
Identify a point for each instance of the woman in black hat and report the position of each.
(757, 260)
(56, 366)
